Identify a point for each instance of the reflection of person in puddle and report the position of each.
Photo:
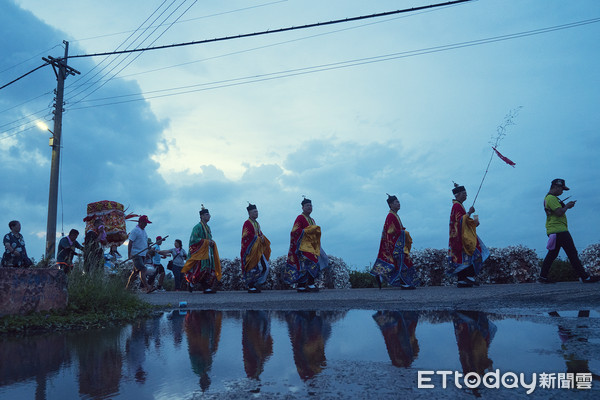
(474, 334)
(203, 329)
(257, 343)
(571, 340)
(135, 349)
(308, 332)
(398, 330)
(176, 319)
(100, 362)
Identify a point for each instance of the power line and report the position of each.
(278, 43)
(275, 30)
(26, 101)
(23, 76)
(24, 117)
(30, 58)
(129, 63)
(121, 44)
(332, 66)
(188, 20)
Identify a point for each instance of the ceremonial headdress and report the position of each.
(306, 201)
(203, 210)
(391, 199)
(458, 188)
(251, 206)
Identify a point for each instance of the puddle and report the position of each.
(296, 354)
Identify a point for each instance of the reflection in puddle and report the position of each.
(398, 330)
(185, 354)
(257, 343)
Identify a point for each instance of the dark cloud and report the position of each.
(107, 151)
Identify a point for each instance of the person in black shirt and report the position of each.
(66, 251)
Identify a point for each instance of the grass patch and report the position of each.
(363, 279)
(562, 271)
(95, 301)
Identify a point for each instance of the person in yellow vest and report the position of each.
(558, 234)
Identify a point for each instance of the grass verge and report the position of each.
(95, 301)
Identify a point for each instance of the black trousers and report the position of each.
(469, 271)
(565, 241)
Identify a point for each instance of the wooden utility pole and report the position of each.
(62, 70)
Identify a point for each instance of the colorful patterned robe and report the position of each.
(465, 248)
(305, 255)
(255, 254)
(398, 330)
(204, 265)
(257, 343)
(308, 333)
(474, 334)
(393, 262)
(203, 329)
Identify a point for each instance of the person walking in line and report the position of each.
(466, 251)
(558, 234)
(93, 255)
(393, 263)
(255, 253)
(203, 268)
(306, 259)
(176, 264)
(136, 250)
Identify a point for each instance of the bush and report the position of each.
(231, 278)
(590, 258)
(431, 266)
(97, 292)
(337, 276)
(334, 277)
(562, 271)
(512, 264)
(362, 279)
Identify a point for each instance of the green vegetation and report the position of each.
(95, 300)
(561, 271)
(363, 279)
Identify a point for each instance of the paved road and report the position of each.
(524, 298)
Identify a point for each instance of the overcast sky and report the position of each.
(344, 113)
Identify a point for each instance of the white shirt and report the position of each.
(139, 241)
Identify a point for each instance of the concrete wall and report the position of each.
(24, 290)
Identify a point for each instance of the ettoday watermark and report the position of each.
(509, 380)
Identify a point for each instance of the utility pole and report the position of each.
(62, 70)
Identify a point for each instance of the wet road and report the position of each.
(523, 298)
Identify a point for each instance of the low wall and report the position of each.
(24, 290)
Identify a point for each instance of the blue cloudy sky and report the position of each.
(403, 104)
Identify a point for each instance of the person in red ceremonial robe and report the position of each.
(256, 250)
(393, 262)
(466, 251)
(306, 258)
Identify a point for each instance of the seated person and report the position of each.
(111, 259)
